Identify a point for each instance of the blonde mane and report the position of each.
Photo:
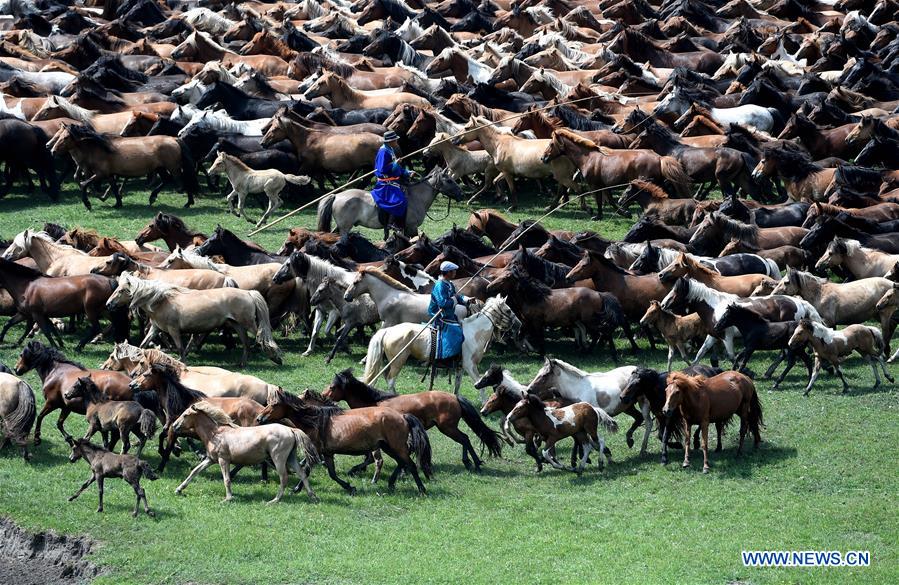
(578, 139)
(218, 416)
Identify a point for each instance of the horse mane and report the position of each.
(686, 381)
(571, 368)
(46, 354)
(360, 388)
(318, 417)
(20, 269)
(84, 133)
(218, 416)
(385, 278)
(178, 396)
(531, 290)
(733, 228)
(577, 139)
(316, 62)
(655, 191)
(695, 264)
(153, 357)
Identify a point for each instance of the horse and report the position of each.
(781, 256)
(226, 442)
(39, 298)
(344, 96)
(173, 310)
(355, 432)
(676, 330)
(214, 381)
(100, 157)
(17, 411)
(655, 202)
(356, 207)
(857, 260)
(193, 278)
(656, 259)
(462, 163)
(245, 181)
(679, 100)
(701, 400)
(842, 303)
(835, 346)
(580, 421)
(431, 408)
(353, 315)
(114, 419)
(828, 228)
(804, 180)
(399, 342)
(759, 333)
(686, 265)
(717, 229)
(51, 258)
(172, 230)
(57, 374)
(298, 236)
(105, 464)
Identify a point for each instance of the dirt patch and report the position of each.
(43, 558)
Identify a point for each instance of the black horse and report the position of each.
(235, 251)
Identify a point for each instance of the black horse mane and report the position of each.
(45, 354)
(576, 121)
(315, 63)
(318, 417)
(20, 269)
(792, 161)
(529, 289)
(733, 228)
(86, 134)
(462, 238)
(169, 221)
(178, 396)
(396, 10)
(346, 379)
(54, 230)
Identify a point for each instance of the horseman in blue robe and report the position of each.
(388, 193)
(443, 302)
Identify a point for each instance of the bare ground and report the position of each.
(43, 558)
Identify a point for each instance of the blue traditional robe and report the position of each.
(387, 194)
(449, 336)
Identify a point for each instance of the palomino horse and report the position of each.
(17, 411)
(226, 442)
(397, 303)
(356, 207)
(516, 157)
(213, 381)
(102, 158)
(192, 278)
(431, 408)
(842, 303)
(580, 421)
(835, 346)
(245, 181)
(114, 419)
(176, 310)
(343, 96)
(701, 400)
(356, 431)
(600, 389)
(495, 319)
(58, 374)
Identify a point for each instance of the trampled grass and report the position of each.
(824, 478)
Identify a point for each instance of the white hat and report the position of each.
(447, 266)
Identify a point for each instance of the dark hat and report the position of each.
(390, 136)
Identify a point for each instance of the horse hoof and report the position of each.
(685, 465)
(705, 469)
(134, 514)
(352, 491)
(100, 510)
(37, 441)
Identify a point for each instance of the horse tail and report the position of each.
(230, 283)
(297, 179)
(303, 443)
(19, 421)
(489, 438)
(147, 422)
(149, 399)
(374, 356)
(756, 420)
(325, 207)
(147, 470)
(773, 269)
(264, 327)
(605, 420)
(779, 122)
(419, 444)
(674, 172)
(614, 312)
(879, 345)
(188, 169)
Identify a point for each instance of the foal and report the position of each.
(580, 420)
(675, 329)
(108, 464)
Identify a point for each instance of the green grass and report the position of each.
(824, 478)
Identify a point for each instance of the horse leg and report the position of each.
(302, 473)
(341, 338)
(274, 202)
(244, 340)
(100, 493)
(91, 333)
(873, 365)
(645, 411)
(670, 357)
(359, 468)
(885, 372)
(83, 487)
(125, 433)
(456, 434)
(49, 330)
(773, 367)
(718, 428)
(84, 191)
(638, 420)
(114, 185)
(706, 345)
(316, 327)
(15, 319)
(687, 426)
(815, 371)
(230, 198)
(842, 378)
(705, 446)
(202, 465)
(281, 468)
(63, 415)
(332, 473)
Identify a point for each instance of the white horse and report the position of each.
(221, 122)
(461, 162)
(601, 389)
(208, 21)
(246, 181)
(495, 318)
(191, 91)
(756, 117)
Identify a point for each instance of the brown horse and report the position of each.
(105, 464)
(884, 211)
(114, 419)
(803, 179)
(655, 202)
(87, 240)
(356, 432)
(172, 230)
(687, 265)
(676, 330)
(57, 375)
(38, 298)
(298, 236)
(701, 400)
(439, 409)
(717, 229)
(324, 151)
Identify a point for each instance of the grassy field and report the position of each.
(825, 478)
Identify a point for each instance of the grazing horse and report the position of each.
(226, 442)
(17, 411)
(245, 181)
(176, 310)
(835, 346)
(701, 400)
(114, 419)
(57, 374)
(431, 408)
(356, 207)
(842, 303)
(357, 431)
(580, 421)
(400, 342)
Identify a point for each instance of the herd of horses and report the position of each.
(788, 108)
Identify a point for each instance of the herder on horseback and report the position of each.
(443, 303)
(388, 193)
